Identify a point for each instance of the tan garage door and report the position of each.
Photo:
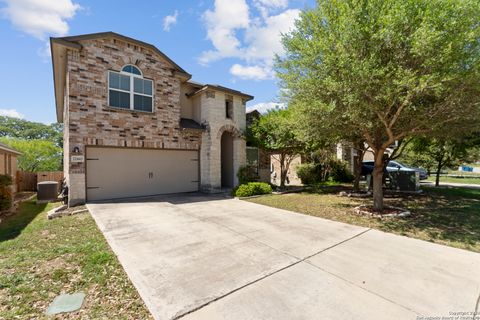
(126, 172)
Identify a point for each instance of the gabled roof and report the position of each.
(202, 87)
(59, 46)
(110, 34)
(4, 147)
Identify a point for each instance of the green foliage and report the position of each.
(436, 154)
(339, 172)
(23, 129)
(449, 152)
(273, 132)
(252, 189)
(246, 174)
(309, 173)
(383, 70)
(334, 170)
(6, 197)
(37, 155)
(5, 180)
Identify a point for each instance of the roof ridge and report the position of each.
(106, 34)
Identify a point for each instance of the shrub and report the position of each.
(339, 172)
(246, 174)
(5, 192)
(252, 189)
(309, 173)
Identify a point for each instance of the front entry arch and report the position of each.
(227, 171)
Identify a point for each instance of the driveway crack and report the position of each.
(181, 315)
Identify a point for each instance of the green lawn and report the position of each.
(446, 216)
(40, 259)
(466, 179)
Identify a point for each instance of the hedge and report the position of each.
(252, 189)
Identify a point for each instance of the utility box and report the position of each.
(47, 191)
(404, 180)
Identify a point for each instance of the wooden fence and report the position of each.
(27, 181)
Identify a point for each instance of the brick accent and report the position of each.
(89, 121)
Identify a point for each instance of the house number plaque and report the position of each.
(76, 159)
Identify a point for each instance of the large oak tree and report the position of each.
(384, 69)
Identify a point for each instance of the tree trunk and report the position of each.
(377, 176)
(440, 164)
(437, 174)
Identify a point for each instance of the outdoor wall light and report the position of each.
(76, 150)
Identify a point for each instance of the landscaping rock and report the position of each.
(387, 212)
(66, 303)
(64, 210)
(355, 194)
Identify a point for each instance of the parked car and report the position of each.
(367, 168)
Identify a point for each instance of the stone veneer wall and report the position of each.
(90, 122)
(213, 113)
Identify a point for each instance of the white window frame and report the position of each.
(131, 92)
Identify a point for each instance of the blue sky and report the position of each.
(227, 42)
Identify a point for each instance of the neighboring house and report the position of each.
(347, 153)
(136, 125)
(8, 163)
(292, 178)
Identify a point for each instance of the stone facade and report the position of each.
(213, 114)
(89, 121)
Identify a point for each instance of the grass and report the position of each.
(465, 179)
(41, 258)
(445, 216)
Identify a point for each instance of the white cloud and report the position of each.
(266, 7)
(273, 3)
(234, 34)
(45, 52)
(11, 113)
(41, 18)
(251, 72)
(169, 21)
(222, 23)
(264, 107)
(264, 41)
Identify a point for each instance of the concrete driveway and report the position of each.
(194, 256)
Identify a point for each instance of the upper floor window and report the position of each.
(229, 108)
(128, 89)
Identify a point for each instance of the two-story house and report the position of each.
(136, 125)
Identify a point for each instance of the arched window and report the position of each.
(128, 89)
(132, 69)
